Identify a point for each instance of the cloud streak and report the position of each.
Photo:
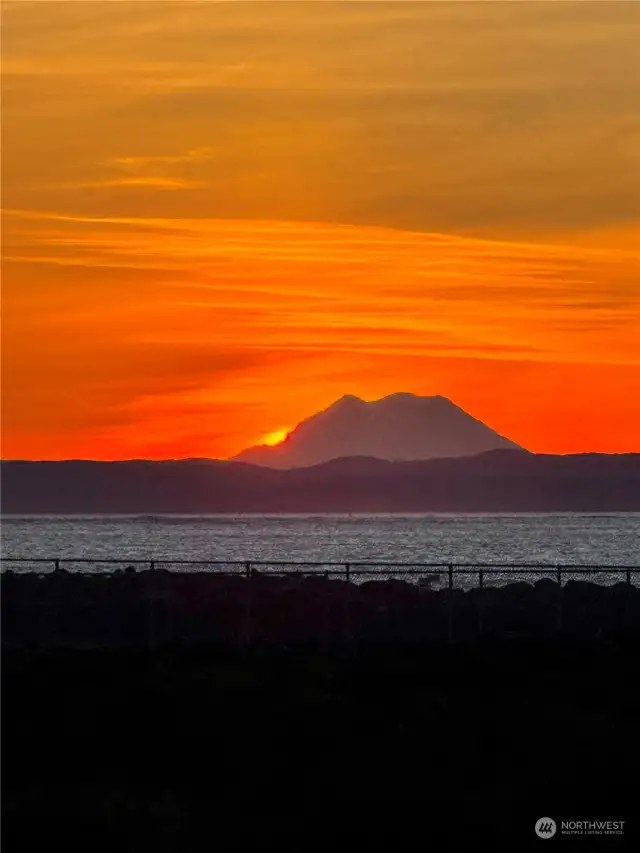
(163, 310)
(509, 119)
(220, 217)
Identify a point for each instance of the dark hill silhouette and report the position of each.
(400, 426)
(498, 481)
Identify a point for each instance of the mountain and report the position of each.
(497, 481)
(397, 427)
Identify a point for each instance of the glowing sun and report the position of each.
(275, 437)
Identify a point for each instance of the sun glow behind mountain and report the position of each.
(271, 439)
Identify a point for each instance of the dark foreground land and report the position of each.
(394, 735)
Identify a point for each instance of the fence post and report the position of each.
(347, 570)
(325, 616)
(450, 606)
(559, 602)
(347, 614)
(480, 603)
(629, 577)
(248, 614)
(152, 565)
(56, 565)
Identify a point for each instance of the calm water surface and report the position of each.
(528, 538)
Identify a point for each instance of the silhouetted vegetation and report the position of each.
(129, 730)
(129, 609)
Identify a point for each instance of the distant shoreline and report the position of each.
(275, 515)
(497, 482)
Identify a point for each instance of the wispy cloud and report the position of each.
(174, 173)
(493, 119)
(136, 164)
(156, 182)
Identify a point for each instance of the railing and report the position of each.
(424, 574)
(347, 570)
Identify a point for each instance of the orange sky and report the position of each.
(219, 218)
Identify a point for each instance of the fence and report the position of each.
(155, 598)
(349, 571)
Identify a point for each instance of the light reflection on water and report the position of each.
(577, 539)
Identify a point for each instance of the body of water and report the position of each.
(522, 538)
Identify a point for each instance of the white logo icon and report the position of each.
(545, 827)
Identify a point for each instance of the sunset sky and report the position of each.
(218, 218)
